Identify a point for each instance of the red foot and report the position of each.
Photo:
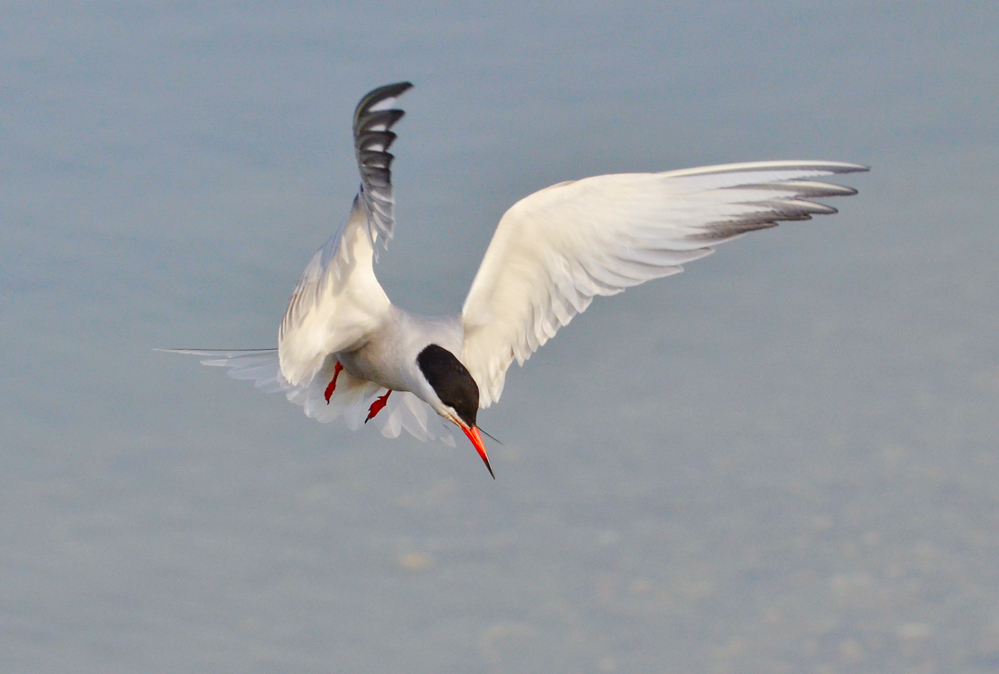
(332, 386)
(377, 406)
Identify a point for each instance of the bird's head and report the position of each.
(457, 392)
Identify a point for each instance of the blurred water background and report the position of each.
(782, 460)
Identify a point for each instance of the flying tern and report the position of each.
(345, 351)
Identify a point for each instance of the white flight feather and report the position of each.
(337, 302)
(556, 249)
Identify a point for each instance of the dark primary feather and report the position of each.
(372, 139)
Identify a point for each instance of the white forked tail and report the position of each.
(351, 400)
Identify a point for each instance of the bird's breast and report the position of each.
(388, 356)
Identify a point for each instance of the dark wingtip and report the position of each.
(390, 90)
(850, 168)
(376, 96)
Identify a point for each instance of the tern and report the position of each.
(345, 351)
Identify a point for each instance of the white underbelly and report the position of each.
(373, 364)
(388, 358)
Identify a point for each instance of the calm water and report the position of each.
(782, 460)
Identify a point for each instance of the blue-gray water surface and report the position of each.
(782, 460)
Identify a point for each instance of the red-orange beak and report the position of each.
(473, 434)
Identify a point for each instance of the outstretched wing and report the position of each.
(338, 300)
(351, 401)
(558, 248)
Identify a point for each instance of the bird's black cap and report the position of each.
(451, 381)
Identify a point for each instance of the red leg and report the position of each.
(377, 406)
(332, 386)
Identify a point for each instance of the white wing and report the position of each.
(338, 300)
(558, 248)
(404, 411)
